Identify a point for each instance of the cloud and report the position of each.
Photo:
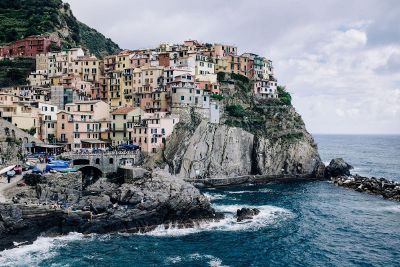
(340, 61)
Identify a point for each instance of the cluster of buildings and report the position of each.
(30, 46)
(134, 97)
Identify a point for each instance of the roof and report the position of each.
(122, 110)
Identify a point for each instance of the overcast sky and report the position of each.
(339, 59)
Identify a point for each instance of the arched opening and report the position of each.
(111, 161)
(90, 175)
(97, 161)
(81, 162)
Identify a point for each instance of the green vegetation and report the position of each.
(217, 96)
(15, 72)
(235, 111)
(239, 77)
(22, 18)
(32, 131)
(221, 76)
(51, 138)
(284, 96)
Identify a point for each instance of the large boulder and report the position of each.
(33, 179)
(337, 167)
(246, 213)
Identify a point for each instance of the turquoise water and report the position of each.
(300, 224)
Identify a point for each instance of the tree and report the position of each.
(32, 131)
(284, 96)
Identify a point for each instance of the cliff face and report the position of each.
(254, 137)
(22, 18)
(213, 151)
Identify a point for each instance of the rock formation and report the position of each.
(378, 186)
(337, 167)
(103, 207)
(254, 137)
(246, 214)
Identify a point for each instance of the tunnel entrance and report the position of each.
(90, 175)
(81, 162)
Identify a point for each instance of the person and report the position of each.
(8, 178)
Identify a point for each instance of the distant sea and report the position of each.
(300, 224)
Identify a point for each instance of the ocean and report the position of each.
(300, 224)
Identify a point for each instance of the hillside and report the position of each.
(22, 18)
(255, 137)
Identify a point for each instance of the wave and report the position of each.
(264, 190)
(212, 196)
(41, 249)
(196, 257)
(268, 215)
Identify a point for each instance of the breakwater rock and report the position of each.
(137, 205)
(378, 186)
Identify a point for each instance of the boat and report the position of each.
(7, 169)
(67, 170)
(10, 173)
(56, 165)
(36, 170)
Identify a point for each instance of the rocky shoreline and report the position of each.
(377, 186)
(56, 204)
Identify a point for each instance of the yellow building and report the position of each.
(122, 119)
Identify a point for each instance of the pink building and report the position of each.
(30, 46)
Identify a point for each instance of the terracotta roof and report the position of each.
(122, 110)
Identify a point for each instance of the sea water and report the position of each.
(300, 224)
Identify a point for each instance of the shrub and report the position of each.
(239, 77)
(236, 111)
(221, 76)
(217, 96)
(284, 96)
(32, 131)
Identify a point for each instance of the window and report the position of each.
(52, 108)
(111, 161)
(63, 117)
(182, 98)
(62, 126)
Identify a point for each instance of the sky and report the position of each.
(339, 59)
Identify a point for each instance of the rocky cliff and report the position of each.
(22, 18)
(136, 205)
(266, 137)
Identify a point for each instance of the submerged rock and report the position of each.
(246, 213)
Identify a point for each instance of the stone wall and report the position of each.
(106, 162)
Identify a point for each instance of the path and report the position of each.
(4, 185)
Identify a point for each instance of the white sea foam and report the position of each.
(212, 196)
(173, 260)
(268, 215)
(31, 255)
(264, 190)
(212, 260)
(242, 192)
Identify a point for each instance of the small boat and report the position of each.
(67, 170)
(36, 170)
(6, 169)
(18, 169)
(10, 173)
